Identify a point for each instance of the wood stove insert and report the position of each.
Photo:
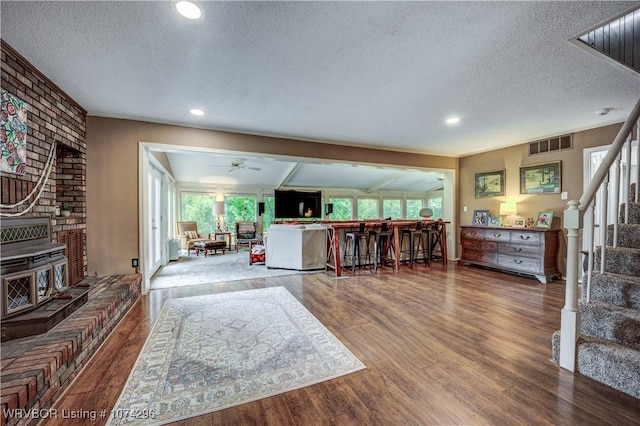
(34, 294)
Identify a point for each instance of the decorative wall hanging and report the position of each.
(489, 184)
(541, 178)
(13, 134)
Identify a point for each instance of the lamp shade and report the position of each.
(218, 207)
(507, 209)
(426, 212)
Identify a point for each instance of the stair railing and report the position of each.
(583, 209)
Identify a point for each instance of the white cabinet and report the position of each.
(300, 247)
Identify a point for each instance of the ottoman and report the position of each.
(209, 245)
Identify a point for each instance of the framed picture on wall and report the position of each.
(541, 178)
(480, 218)
(489, 184)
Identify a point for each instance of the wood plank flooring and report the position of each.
(445, 345)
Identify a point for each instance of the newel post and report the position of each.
(570, 318)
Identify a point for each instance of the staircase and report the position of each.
(600, 332)
(608, 349)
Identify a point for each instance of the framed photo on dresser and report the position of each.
(480, 218)
(519, 222)
(544, 219)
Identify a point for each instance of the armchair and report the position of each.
(189, 231)
(246, 233)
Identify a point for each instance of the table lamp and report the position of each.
(508, 210)
(218, 210)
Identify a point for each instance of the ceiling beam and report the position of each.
(386, 181)
(289, 175)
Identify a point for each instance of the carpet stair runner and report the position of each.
(609, 345)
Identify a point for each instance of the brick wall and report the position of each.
(52, 117)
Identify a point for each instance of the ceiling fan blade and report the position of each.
(254, 168)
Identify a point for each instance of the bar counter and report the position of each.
(337, 229)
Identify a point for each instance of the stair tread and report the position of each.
(629, 312)
(587, 338)
(621, 277)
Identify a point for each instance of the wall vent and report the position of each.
(558, 143)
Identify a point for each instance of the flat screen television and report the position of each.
(298, 204)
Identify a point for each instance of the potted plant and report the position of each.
(65, 211)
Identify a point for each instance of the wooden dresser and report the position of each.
(529, 251)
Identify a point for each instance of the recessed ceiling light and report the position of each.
(196, 111)
(188, 10)
(452, 120)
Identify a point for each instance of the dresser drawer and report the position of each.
(480, 245)
(519, 250)
(528, 238)
(472, 234)
(479, 256)
(519, 263)
(497, 235)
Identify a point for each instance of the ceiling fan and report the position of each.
(239, 164)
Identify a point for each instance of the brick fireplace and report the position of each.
(52, 118)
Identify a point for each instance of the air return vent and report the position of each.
(558, 143)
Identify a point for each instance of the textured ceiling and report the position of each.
(377, 74)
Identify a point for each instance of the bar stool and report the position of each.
(438, 249)
(359, 257)
(412, 235)
(435, 245)
(383, 249)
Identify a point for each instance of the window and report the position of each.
(199, 208)
(413, 208)
(392, 208)
(269, 211)
(239, 208)
(368, 208)
(342, 208)
(435, 204)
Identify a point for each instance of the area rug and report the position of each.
(231, 266)
(207, 353)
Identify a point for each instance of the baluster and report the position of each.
(616, 197)
(603, 219)
(637, 199)
(590, 243)
(626, 184)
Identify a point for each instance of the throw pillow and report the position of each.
(257, 249)
(249, 235)
(191, 234)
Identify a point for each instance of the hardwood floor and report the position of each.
(443, 346)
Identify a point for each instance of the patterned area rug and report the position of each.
(231, 266)
(207, 353)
